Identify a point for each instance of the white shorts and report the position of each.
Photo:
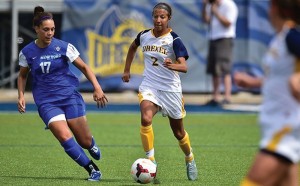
(281, 135)
(171, 103)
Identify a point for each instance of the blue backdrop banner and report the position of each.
(103, 30)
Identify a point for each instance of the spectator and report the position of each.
(221, 17)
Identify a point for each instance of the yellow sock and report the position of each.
(247, 182)
(185, 146)
(151, 158)
(147, 137)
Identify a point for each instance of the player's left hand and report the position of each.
(100, 98)
(167, 63)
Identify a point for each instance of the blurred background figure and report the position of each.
(276, 163)
(221, 17)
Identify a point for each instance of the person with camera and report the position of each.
(221, 17)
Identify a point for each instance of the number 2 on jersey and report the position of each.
(154, 60)
(45, 66)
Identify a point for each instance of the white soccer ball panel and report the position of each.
(143, 170)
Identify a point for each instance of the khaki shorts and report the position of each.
(170, 103)
(219, 59)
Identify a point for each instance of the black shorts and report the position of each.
(219, 60)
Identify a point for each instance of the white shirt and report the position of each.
(228, 9)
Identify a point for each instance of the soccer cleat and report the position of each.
(154, 162)
(191, 170)
(95, 152)
(95, 176)
(155, 180)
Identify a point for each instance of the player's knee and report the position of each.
(179, 135)
(146, 120)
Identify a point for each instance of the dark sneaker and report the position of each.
(225, 102)
(212, 103)
(95, 176)
(95, 152)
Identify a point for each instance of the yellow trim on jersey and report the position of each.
(183, 112)
(247, 182)
(170, 30)
(277, 137)
(297, 65)
(140, 96)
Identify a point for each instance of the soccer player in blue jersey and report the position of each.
(60, 105)
(164, 55)
(276, 162)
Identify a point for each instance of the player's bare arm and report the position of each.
(246, 81)
(205, 16)
(98, 94)
(179, 65)
(294, 83)
(129, 58)
(224, 21)
(22, 79)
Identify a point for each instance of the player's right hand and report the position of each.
(21, 105)
(126, 77)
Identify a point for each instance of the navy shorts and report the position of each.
(72, 107)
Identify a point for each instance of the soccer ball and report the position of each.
(143, 170)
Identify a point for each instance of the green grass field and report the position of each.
(223, 144)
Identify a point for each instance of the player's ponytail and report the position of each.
(38, 10)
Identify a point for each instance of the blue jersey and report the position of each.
(52, 79)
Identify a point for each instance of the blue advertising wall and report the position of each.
(103, 30)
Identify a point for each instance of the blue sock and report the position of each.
(75, 152)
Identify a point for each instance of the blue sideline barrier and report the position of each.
(11, 107)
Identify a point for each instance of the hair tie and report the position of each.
(42, 18)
